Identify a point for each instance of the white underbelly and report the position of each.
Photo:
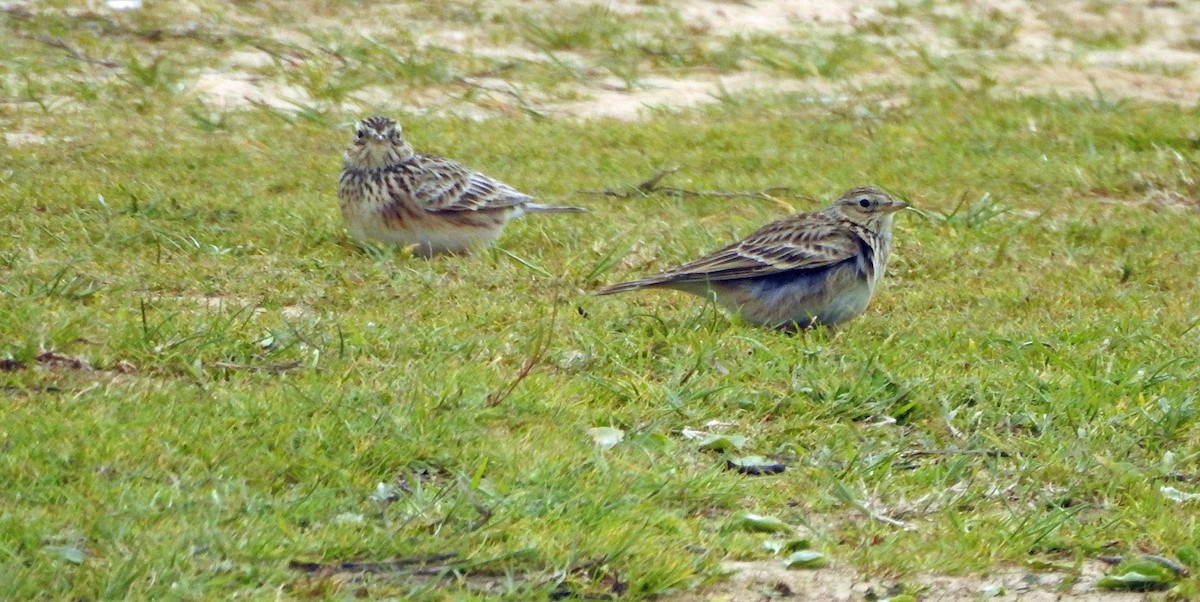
(804, 302)
(431, 238)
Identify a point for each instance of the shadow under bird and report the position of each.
(797, 272)
(393, 195)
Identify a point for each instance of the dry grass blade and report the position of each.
(74, 53)
(542, 345)
(272, 368)
(652, 185)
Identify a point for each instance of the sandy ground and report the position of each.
(1156, 57)
(1137, 49)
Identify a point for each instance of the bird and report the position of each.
(808, 269)
(391, 194)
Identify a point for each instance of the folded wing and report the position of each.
(454, 187)
(801, 242)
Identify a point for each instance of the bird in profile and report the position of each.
(393, 195)
(797, 272)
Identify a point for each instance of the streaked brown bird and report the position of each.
(391, 194)
(797, 272)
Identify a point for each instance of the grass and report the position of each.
(1113, 35)
(205, 382)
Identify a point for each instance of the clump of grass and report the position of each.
(832, 58)
(985, 30)
(593, 28)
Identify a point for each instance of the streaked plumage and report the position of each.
(391, 194)
(800, 271)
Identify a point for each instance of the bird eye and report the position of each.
(864, 203)
(360, 134)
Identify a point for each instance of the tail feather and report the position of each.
(632, 285)
(540, 208)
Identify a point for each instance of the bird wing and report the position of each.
(451, 186)
(808, 241)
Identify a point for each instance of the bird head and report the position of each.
(868, 205)
(378, 142)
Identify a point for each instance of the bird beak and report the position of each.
(897, 205)
(378, 138)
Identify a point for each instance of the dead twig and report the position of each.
(74, 53)
(415, 564)
(652, 186)
(288, 53)
(66, 362)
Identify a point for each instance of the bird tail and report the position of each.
(632, 285)
(540, 208)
